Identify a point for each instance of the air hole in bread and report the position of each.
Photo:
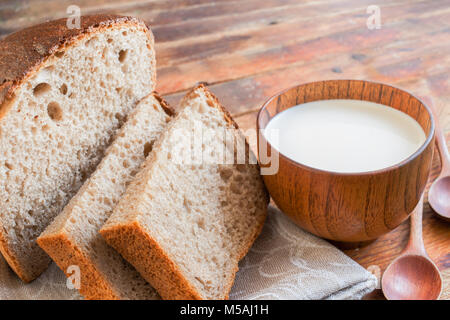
(107, 201)
(147, 148)
(105, 52)
(235, 188)
(54, 111)
(201, 223)
(63, 89)
(109, 40)
(125, 164)
(120, 117)
(8, 165)
(118, 90)
(92, 40)
(226, 173)
(123, 55)
(59, 54)
(41, 89)
(124, 33)
(33, 130)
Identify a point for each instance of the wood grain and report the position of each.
(249, 55)
(420, 278)
(348, 207)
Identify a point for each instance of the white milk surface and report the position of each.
(345, 135)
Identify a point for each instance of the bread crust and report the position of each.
(12, 261)
(23, 53)
(216, 104)
(166, 107)
(59, 243)
(65, 253)
(136, 246)
(146, 255)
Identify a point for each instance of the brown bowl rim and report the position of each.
(413, 156)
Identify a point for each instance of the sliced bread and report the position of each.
(72, 239)
(185, 224)
(63, 94)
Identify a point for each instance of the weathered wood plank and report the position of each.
(24, 13)
(259, 17)
(248, 93)
(217, 40)
(15, 11)
(243, 55)
(192, 30)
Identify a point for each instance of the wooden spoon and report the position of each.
(412, 275)
(439, 194)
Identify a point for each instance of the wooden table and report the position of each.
(248, 50)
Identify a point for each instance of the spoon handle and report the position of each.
(442, 145)
(440, 138)
(415, 244)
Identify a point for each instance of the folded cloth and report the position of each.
(284, 263)
(287, 262)
(51, 285)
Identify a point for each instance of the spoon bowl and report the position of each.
(439, 196)
(412, 277)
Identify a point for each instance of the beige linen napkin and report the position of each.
(287, 262)
(284, 263)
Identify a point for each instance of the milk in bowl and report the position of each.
(345, 136)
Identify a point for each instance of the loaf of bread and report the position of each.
(64, 93)
(72, 239)
(185, 223)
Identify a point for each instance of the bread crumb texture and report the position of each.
(73, 238)
(185, 226)
(58, 126)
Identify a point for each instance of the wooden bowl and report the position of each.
(349, 207)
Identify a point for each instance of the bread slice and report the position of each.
(73, 238)
(186, 224)
(63, 95)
